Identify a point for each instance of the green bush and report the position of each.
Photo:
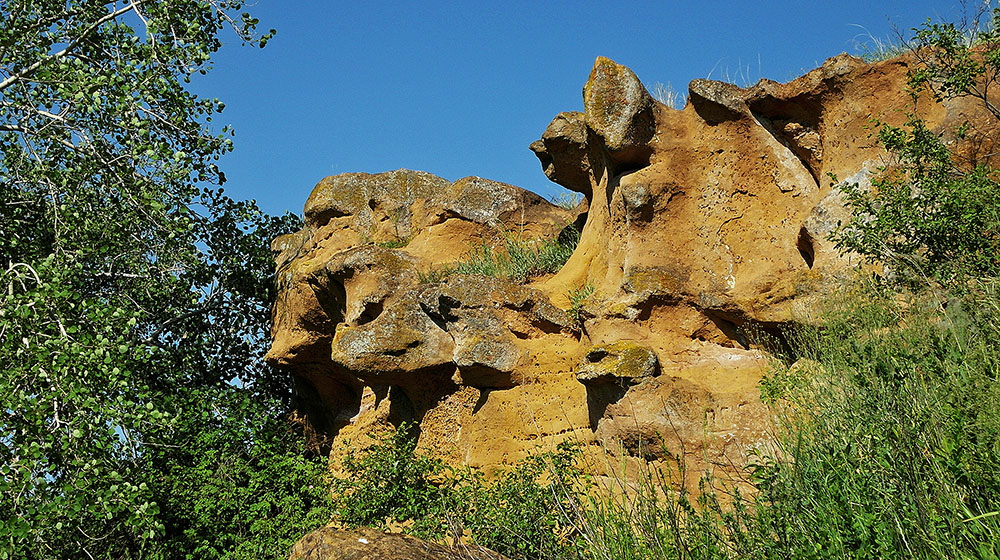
(932, 212)
(928, 218)
(517, 260)
(391, 481)
(518, 512)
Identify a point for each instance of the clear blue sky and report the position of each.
(460, 88)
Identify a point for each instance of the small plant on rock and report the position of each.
(577, 297)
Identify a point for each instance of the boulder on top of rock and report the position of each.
(368, 544)
(614, 132)
(622, 362)
(489, 202)
(619, 109)
(717, 101)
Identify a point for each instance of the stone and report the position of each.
(367, 197)
(717, 101)
(368, 544)
(563, 152)
(488, 202)
(700, 224)
(619, 109)
(398, 344)
(622, 362)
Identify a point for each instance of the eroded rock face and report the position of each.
(704, 227)
(353, 312)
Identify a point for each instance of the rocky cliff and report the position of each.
(704, 229)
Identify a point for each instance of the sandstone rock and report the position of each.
(563, 152)
(369, 544)
(485, 316)
(622, 362)
(396, 345)
(620, 110)
(367, 197)
(717, 101)
(489, 202)
(702, 224)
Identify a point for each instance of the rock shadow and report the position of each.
(600, 397)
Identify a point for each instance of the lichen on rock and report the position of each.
(622, 362)
(700, 224)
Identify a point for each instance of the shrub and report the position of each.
(932, 212)
(928, 216)
(518, 513)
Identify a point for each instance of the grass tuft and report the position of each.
(516, 260)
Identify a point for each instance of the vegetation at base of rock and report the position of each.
(934, 214)
(888, 441)
(893, 438)
(516, 260)
(889, 447)
(518, 512)
(134, 309)
(223, 498)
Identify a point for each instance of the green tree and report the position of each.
(936, 211)
(133, 295)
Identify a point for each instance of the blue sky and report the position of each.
(459, 88)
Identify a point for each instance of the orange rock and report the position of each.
(705, 228)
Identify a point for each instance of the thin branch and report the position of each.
(154, 338)
(16, 76)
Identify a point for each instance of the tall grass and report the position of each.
(516, 259)
(892, 438)
(888, 446)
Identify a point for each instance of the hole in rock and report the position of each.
(371, 312)
(805, 246)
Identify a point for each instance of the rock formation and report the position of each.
(705, 230)
(368, 544)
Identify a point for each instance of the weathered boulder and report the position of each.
(621, 362)
(563, 151)
(618, 108)
(717, 101)
(399, 344)
(369, 544)
(369, 199)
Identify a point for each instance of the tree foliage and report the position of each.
(937, 212)
(133, 293)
